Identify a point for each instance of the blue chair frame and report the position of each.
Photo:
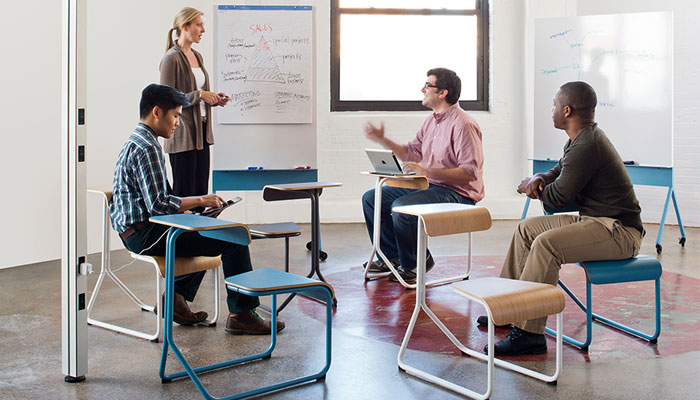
(235, 233)
(636, 269)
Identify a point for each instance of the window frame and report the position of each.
(481, 11)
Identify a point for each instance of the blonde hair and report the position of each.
(182, 18)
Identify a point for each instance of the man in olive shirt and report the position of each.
(590, 175)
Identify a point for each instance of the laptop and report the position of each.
(385, 163)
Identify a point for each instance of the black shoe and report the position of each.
(484, 321)
(380, 265)
(409, 275)
(520, 342)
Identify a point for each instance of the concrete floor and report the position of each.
(122, 367)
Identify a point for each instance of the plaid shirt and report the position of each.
(140, 181)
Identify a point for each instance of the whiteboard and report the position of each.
(628, 59)
(264, 63)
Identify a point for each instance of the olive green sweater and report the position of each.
(591, 175)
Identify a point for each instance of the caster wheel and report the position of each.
(584, 349)
(658, 248)
(366, 279)
(654, 341)
(335, 303)
(165, 380)
(554, 383)
(267, 357)
(321, 378)
(323, 255)
(401, 369)
(465, 354)
(466, 279)
(145, 310)
(308, 246)
(155, 340)
(212, 324)
(681, 241)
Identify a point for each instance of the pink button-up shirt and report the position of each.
(450, 139)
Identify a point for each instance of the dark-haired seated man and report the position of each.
(141, 190)
(448, 151)
(591, 175)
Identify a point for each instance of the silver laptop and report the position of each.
(385, 162)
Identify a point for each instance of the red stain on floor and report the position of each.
(381, 310)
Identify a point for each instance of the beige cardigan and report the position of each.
(176, 71)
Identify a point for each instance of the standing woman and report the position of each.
(182, 68)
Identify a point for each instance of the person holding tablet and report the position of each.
(448, 151)
(182, 67)
(141, 190)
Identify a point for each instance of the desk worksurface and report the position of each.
(303, 186)
(194, 222)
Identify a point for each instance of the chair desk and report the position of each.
(402, 181)
(208, 227)
(305, 190)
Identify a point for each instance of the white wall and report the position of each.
(125, 48)
(30, 154)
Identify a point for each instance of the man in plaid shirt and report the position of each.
(141, 190)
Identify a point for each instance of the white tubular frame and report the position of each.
(376, 250)
(489, 358)
(106, 271)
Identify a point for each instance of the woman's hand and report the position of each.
(224, 99)
(210, 98)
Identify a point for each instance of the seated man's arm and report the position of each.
(575, 171)
(452, 175)
(208, 200)
(154, 187)
(532, 186)
(376, 134)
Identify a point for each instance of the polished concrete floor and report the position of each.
(363, 367)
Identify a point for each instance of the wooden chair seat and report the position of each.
(511, 301)
(188, 265)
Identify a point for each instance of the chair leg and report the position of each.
(120, 284)
(105, 271)
(652, 338)
(212, 321)
(286, 254)
(591, 316)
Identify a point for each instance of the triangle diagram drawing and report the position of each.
(263, 67)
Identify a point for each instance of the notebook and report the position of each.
(385, 162)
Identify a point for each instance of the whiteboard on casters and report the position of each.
(264, 62)
(628, 59)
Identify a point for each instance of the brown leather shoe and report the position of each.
(249, 323)
(182, 313)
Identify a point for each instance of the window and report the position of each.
(380, 52)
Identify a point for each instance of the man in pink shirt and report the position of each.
(447, 150)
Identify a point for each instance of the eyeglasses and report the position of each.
(428, 85)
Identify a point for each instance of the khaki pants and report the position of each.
(540, 245)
